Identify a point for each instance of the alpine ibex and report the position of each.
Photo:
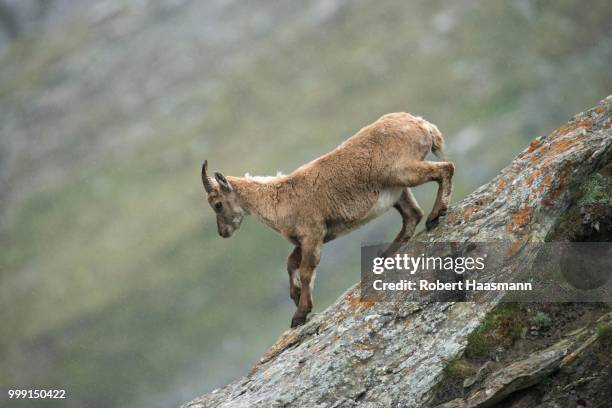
(359, 180)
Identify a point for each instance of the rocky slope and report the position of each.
(397, 354)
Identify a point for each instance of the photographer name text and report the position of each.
(438, 285)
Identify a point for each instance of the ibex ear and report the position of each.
(223, 183)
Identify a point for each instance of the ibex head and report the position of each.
(224, 201)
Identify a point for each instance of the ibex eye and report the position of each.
(218, 206)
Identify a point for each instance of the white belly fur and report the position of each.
(386, 199)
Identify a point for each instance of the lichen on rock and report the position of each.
(395, 353)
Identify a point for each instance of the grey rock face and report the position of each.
(530, 370)
(393, 354)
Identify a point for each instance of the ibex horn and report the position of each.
(205, 179)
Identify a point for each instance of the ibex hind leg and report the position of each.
(411, 213)
(445, 189)
(416, 173)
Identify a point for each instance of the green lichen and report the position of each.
(596, 190)
(459, 368)
(604, 334)
(502, 327)
(594, 196)
(542, 321)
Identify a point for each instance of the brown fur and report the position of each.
(339, 192)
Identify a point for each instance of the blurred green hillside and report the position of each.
(113, 282)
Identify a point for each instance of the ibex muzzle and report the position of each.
(224, 201)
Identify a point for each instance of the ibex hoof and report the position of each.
(431, 224)
(297, 321)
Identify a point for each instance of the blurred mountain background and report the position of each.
(113, 281)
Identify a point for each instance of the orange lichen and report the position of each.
(533, 146)
(500, 185)
(349, 297)
(546, 181)
(560, 146)
(599, 109)
(468, 212)
(284, 341)
(568, 127)
(565, 128)
(559, 188)
(514, 248)
(367, 303)
(532, 177)
(585, 123)
(363, 346)
(280, 345)
(521, 218)
(355, 302)
(554, 192)
(557, 147)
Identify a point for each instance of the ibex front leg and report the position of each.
(311, 254)
(293, 264)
